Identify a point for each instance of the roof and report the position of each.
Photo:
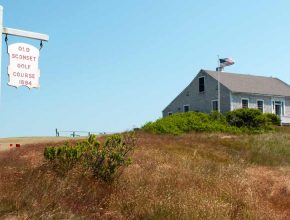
(245, 83)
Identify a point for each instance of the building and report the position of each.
(268, 94)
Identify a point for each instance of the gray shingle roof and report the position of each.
(251, 84)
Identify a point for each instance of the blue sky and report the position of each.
(113, 65)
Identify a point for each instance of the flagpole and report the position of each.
(219, 86)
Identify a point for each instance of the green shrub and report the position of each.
(237, 121)
(63, 158)
(190, 121)
(274, 119)
(217, 116)
(103, 160)
(49, 153)
(249, 118)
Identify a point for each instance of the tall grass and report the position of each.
(271, 149)
(189, 176)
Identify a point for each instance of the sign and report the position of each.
(23, 66)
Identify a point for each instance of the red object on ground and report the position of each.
(17, 145)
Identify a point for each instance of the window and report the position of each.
(201, 84)
(278, 108)
(169, 113)
(245, 103)
(260, 105)
(214, 105)
(186, 108)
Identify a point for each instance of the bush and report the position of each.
(247, 117)
(274, 119)
(237, 121)
(103, 160)
(217, 116)
(190, 121)
(108, 158)
(63, 158)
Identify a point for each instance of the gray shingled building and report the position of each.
(236, 91)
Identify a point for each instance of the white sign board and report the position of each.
(23, 66)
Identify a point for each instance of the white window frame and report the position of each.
(169, 113)
(215, 100)
(283, 107)
(203, 84)
(187, 106)
(245, 99)
(261, 100)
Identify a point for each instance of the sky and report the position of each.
(114, 65)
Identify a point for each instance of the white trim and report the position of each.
(184, 106)
(281, 104)
(272, 106)
(245, 99)
(260, 94)
(278, 99)
(214, 100)
(261, 100)
(203, 84)
(281, 110)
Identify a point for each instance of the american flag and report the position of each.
(226, 62)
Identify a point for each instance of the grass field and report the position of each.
(191, 176)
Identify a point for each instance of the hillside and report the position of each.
(190, 176)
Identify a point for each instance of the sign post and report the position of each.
(23, 67)
(1, 28)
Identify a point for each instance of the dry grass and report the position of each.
(193, 176)
(5, 142)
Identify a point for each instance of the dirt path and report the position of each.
(5, 142)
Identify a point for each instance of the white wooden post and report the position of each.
(27, 34)
(1, 27)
